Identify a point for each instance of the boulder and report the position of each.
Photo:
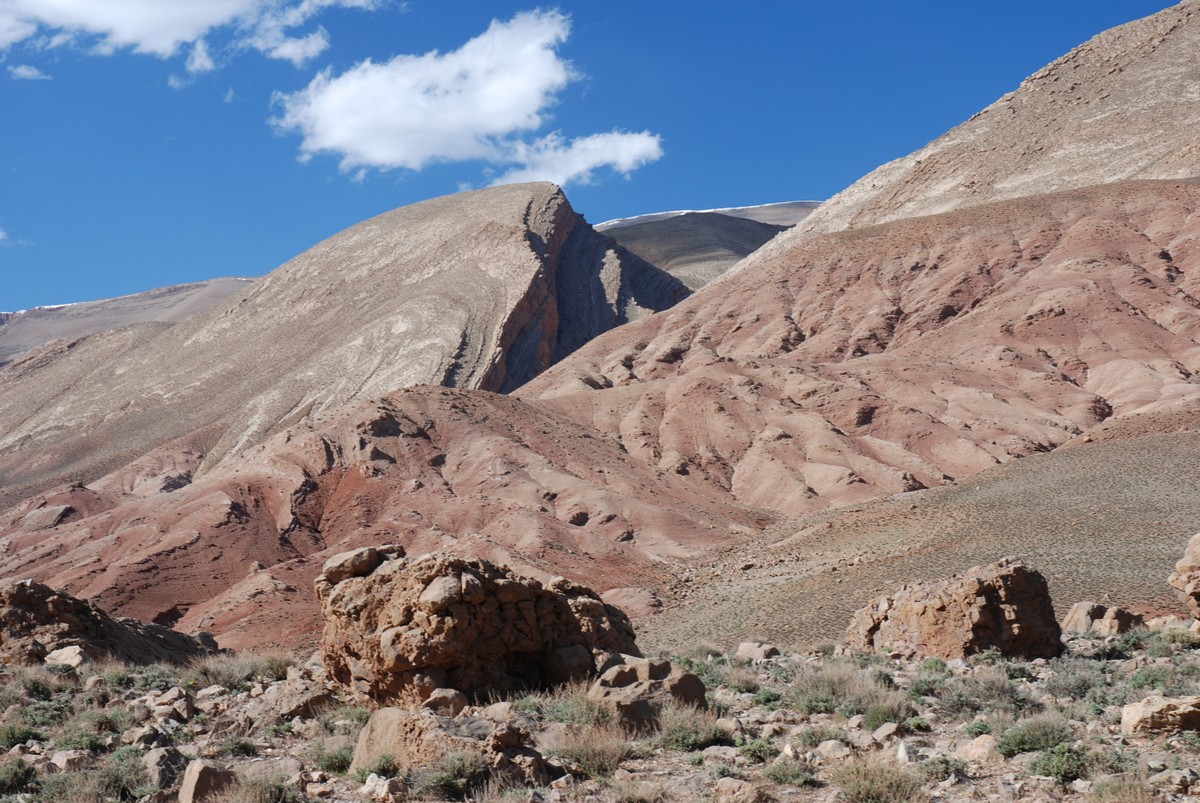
(1186, 577)
(299, 696)
(1157, 714)
(1102, 620)
(202, 779)
(636, 690)
(1003, 607)
(755, 651)
(37, 622)
(163, 766)
(404, 627)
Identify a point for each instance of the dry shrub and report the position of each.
(877, 782)
(742, 679)
(238, 671)
(593, 751)
(836, 687)
(568, 704)
(1124, 791)
(686, 728)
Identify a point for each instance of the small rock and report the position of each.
(1158, 714)
(733, 790)
(202, 779)
(67, 760)
(163, 766)
(447, 702)
(832, 749)
(72, 656)
(385, 789)
(980, 750)
(885, 731)
(755, 651)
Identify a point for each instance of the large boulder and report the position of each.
(37, 622)
(1186, 577)
(1003, 607)
(397, 628)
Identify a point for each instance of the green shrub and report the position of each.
(767, 697)
(725, 771)
(78, 735)
(789, 772)
(988, 689)
(934, 665)
(759, 751)
(568, 704)
(1064, 762)
(688, 729)
(12, 735)
(870, 782)
(710, 669)
(1151, 677)
(240, 747)
(835, 687)
(383, 765)
(814, 735)
(455, 777)
(336, 762)
(45, 713)
(16, 777)
(916, 725)
(1075, 677)
(978, 728)
(1037, 733)
(941, 768)
(881, 713)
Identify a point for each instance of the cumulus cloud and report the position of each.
(480, 102)
(199, 60)
(3, 235)
(163, 27)
(27, 72)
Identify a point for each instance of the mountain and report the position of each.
(694, 247)
(904, 382)
(783, 213)
(477, 290)
(23, 330)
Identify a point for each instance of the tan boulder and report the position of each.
(1004, 607)
(1158, 714)
(405, 627)
(1186, 577)
(1102, 620)
(38, 623)
(202, 779)
(636, 690)
(980, 750)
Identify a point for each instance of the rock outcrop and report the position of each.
(1101, 620)
(37, 621)
(397, 629)
(1186, 577)
(1003, 607)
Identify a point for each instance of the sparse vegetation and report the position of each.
(595, 751)
(687, 729)
(877, 782)
(455, 777)
(1037, 733)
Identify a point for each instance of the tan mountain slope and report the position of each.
(695, 247)
(478, 290)
(894, 357)
(26, 329)
(1124, 105)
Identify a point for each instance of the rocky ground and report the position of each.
(813, 724)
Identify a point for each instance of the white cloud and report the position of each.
(163, 27)
(480, 102)
(3, 235)
(27, 72)
(553, 159)
(199, 60)
(229, 95)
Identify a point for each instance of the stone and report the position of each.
(299, 696)
(413, 625)
(447, 702)
(376, 787)
(980, 750)
(67, 760)
(355, 563)
(202, 779)
(68, 656)
(1004, 607)
(832, 749)
(885, 731)
(1176, 781)
(163, 766)
(1157, 714)
(1186, 577)
(755, 651)
(637, 689)
(267, 769)
(735, 790)
(37, 622)
(413, 738)
(1102, 620)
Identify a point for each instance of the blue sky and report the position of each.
(147, 143)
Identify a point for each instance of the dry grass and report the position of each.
(238, 671)
(877, 782)
(593, 751)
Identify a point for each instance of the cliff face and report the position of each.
(468, 291)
